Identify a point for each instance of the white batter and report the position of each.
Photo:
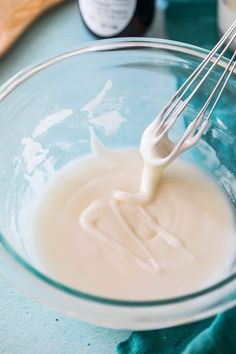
(168, 241)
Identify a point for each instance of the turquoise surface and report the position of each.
(27, 327)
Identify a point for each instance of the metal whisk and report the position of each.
(157, 132)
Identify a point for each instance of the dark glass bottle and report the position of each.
(117, 18)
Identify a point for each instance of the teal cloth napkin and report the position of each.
(212, 336)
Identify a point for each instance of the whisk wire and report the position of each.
(174, 117)
(175, 107)
(176, 99)
(231, 70)
(228, 70)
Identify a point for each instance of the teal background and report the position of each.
(25, 326)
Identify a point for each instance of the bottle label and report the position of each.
(107, 18)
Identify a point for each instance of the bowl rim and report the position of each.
(98, 46)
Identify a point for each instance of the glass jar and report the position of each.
(226, 16)
(116, 18)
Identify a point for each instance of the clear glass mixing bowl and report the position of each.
(117, 87)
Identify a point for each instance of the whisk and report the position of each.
(156, 134)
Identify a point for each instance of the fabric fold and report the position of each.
(211, 336)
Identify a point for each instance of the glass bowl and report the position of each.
(117, 87)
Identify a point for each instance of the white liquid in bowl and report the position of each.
(180, 242)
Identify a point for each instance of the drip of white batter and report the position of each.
(151, 174)
(153, 166)
(155, 160)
